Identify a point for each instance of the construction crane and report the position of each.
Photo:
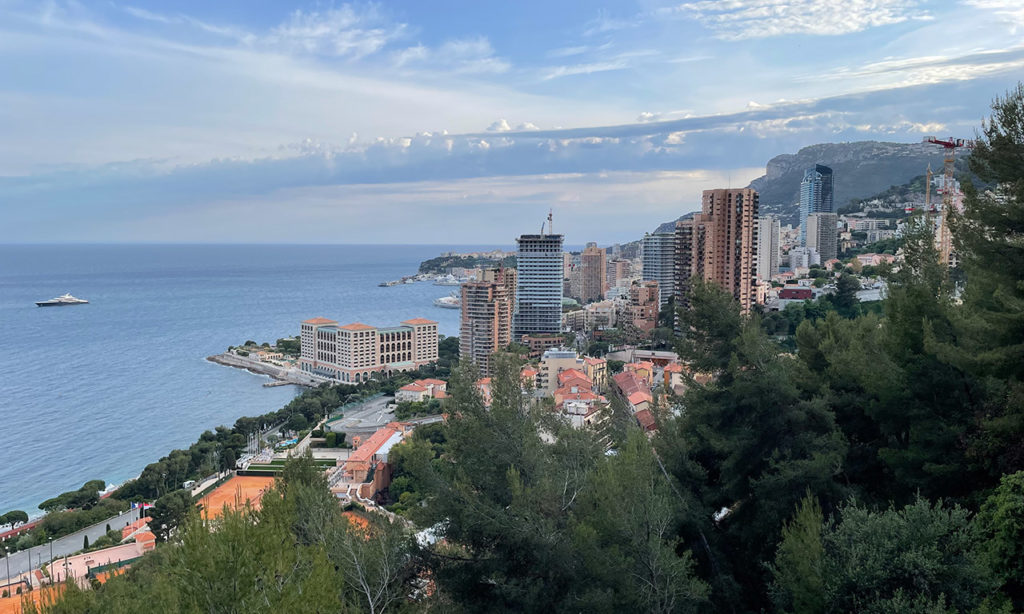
(944, 239)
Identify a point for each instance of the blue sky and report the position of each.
(455, 122)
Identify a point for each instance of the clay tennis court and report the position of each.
(234, 493)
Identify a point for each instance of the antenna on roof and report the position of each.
(551, 224)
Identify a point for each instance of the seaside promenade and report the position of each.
(27, 560)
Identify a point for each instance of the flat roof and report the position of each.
(418, 321)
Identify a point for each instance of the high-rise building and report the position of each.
(822, 234)
(488, 306)
(539, 285)
(353, 352)
(768, 247)
(658, 256)
(618, 272)
(815, 196)
(593, 274)
(720, 245)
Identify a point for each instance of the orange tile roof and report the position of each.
(485, 381)
(425, 382)
(674, 368)
(646, 419)
(572, 374)
(413, 388)
(594, 361)
(628, 383)
(318, 321)
(528, 372)
(364, 452)
(418, 321)
(357, 326)
(567, 393)
(639, 397)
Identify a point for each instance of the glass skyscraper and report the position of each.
(539, 285)
(815, 196)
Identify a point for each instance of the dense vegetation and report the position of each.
(877, 468)
(66, 513)
(443, 264)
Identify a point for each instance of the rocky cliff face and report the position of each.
(861, 170)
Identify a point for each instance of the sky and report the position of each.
(444, 122)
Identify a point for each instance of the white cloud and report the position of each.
(499, 126)
(1011, 11)
(344, 31)
(742, 19)
(473, 55)
(584, 69)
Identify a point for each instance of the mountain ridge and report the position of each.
(862, 169)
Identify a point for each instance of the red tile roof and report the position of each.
(425, 382)
(628, 383)
(674, 368)
(645, 419)
(366, 451)
(639, 397)
(413, 388)
(572, 374)
(418, 321)
(318, 321)
(357, 326)
(594, 361)
(575, 393)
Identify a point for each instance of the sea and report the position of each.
(99, 391)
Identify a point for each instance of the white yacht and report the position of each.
(448, 302)
(61, 301)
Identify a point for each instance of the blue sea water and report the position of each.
(98, 391)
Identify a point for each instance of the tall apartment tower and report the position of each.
(618, 272)
(815, 196)
(593, 274)
(822, 234)
(539, 285)
(720, 245)
(769, 251)
(488, 306)
(658, 255)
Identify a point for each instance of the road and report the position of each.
(369, 416)
(27, 560)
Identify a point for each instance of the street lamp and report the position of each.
(51, 556)
(7, 555)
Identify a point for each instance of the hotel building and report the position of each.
(353, 352)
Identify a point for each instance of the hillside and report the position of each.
(862, 170)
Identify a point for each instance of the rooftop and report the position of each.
(376, 441)
(356, 326)
(418, 321)
(318, 321)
